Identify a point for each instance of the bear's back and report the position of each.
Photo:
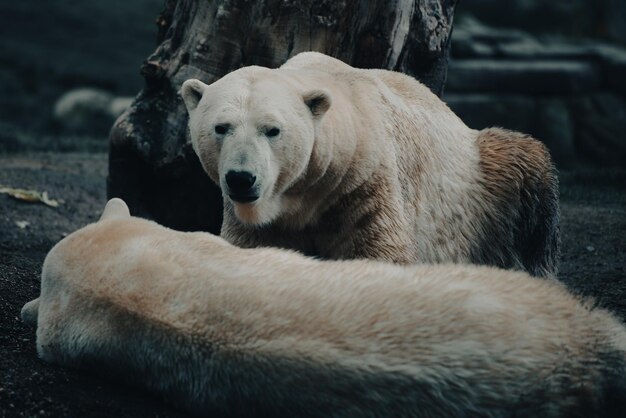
(316, 61)
(402, 86)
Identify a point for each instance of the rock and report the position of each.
(469, 27)
(50, 47)
(480, 111)
(553, 125)
(467, 47)
(616, 16)
(472, 39)
(517, 45)
(522, 48)
(88, 111)
(613, 64)
(119, 105)
(527, 77)
(10, 138)
(546, 119)
(561, 79)
(599, 124)
(571, 17)
(531, 49)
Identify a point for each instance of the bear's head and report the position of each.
(254, 131)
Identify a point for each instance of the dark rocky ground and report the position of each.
(29, 387)
(593, 205)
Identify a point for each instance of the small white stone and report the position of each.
(22, 224)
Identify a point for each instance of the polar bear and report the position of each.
(267, 332)
(345, 163)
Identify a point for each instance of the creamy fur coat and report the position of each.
(347, 163)
(268, 332)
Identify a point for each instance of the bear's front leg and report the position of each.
(352, 229)
(368, 241)
(369, 222)
(253, 236)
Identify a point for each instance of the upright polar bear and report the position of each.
(226, 331)
(347, 163)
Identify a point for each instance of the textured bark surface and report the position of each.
(151, 163)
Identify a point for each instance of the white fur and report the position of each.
(250, 111)
(244, 332)
(396, 173)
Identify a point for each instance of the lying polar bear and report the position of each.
(268, 332)
(346, 163)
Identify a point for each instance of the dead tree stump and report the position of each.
(151, 163)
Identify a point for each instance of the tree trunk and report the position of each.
(151, 163)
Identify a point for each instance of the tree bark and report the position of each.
(151, 163)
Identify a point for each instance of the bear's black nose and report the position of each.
(240, 182)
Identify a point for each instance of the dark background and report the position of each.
(554, 69)
(50, 47)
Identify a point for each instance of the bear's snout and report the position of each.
(241, 186)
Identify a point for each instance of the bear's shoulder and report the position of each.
(316, 61)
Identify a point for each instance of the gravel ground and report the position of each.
(593, 204)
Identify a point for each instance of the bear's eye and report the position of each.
(221, 129)
(272, 132)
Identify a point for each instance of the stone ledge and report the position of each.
(588, 128)
(527, 77)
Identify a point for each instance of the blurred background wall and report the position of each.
(52, 47)
(554, 69)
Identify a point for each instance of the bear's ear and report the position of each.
(115, 208)
(30, 311)
(192, 91)
(318, 101)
